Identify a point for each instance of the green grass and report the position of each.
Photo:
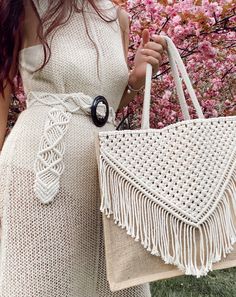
(220, 283)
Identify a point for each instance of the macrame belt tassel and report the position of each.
(49, 165)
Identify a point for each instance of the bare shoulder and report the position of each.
(124, 23)
(30, 24)
(123, 19)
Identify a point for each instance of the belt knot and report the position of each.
(70, 102)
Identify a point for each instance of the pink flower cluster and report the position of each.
(17, 104)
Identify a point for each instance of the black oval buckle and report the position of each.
(99, 121)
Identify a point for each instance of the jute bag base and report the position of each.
(140, 266)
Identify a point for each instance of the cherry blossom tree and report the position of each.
(204, 31)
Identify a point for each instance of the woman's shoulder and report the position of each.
(41, 6)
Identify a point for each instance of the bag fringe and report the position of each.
(163, 234)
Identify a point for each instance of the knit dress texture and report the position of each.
(56, 249)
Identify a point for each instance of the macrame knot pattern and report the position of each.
(174, 189)
(49, 164)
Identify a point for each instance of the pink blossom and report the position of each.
(205, 47)
(167, 95)
(227, 102)
(176, 20)
(160, 125)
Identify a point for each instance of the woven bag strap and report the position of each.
(177, 66)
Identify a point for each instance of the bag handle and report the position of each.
(177, 66)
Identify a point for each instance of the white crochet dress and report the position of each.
(56, 249)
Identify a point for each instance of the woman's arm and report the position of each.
(149, 51)
(125, 24)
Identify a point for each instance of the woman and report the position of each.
(67, 54)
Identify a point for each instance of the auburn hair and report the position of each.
(12, 14)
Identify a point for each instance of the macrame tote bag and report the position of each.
(168, 196)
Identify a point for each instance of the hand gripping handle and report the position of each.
(177, 66)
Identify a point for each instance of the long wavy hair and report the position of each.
(11, 19)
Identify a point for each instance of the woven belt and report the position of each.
(49, 163)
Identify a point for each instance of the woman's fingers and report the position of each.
(145, 36)
(160, 40)
(156, 47)
(153, 51)
(150, 52)
(153, 61)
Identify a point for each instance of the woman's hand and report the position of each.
(148, 52)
